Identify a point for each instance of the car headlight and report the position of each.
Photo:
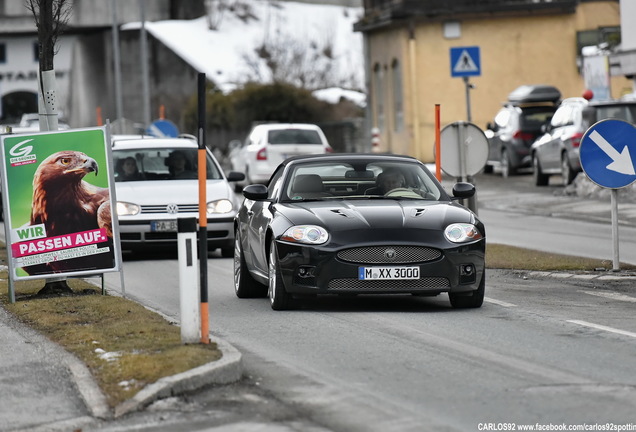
(220, 206)
(127, 209)
(462, 233)
(310, 234)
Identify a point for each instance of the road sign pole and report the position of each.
(461, 128)
(616, 262)
(468, 86)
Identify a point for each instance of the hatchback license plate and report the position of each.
(163, 226)
(388, 273)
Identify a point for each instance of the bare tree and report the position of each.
(50, 18)
(216, 10)
(309, 64)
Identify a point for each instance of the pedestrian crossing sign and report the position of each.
(465, 61)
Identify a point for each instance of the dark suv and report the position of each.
(517, 125)
(557, 151)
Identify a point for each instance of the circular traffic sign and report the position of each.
(606, 153)
(464, 149)
(163, 128)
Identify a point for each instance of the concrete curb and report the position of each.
(226, 370)
(600, 276)
(91, 393)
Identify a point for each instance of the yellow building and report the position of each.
(408, 44)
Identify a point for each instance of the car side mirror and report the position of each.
(234, 176)
(463, 190)
(255, 192)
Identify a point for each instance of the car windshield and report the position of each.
(533, 117)
(371, 179)
(160, 164)
(621, 112)
(293, 136)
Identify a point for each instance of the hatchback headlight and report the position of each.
(220, 206)
(127, 209)
(462, 233)
(309, 234)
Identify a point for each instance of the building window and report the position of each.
(3, 53)
(606, 37)
(398, 102)
(378, 94)
(452, 29)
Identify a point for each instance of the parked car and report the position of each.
(517, 125)
(325, 225)
(556, 152)
(267, 145)
(156, 182)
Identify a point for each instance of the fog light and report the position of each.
(306, 271)
(467, 274)
(467, 269)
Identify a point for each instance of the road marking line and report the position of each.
(499, 302)
(602, 327)
(611, 295)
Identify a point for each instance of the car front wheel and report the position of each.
(473, 300)
(279, 299)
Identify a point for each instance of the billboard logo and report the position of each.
(22, 153)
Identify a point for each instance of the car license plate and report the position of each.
(164, 226)
(388, 273)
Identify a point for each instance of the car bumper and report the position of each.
(138, 234)
(260, 171)
(310, 270)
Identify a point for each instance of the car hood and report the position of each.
(171, 191)
(350, 215)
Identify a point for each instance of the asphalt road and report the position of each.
(541, 350)
(551, 219)
(544, 349)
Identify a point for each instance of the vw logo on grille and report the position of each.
(172, 209)
(389, 254)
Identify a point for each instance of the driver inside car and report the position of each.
(389, 180)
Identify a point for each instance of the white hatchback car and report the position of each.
(156, 183)
(269, 144)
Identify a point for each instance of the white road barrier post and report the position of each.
(188, 280)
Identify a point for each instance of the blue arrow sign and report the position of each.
(606, 153)
(162, 128)
(465, 61)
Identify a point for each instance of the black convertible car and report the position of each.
(357, 224)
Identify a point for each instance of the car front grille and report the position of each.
(389, 254)
(428, 283)
(183, 208)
